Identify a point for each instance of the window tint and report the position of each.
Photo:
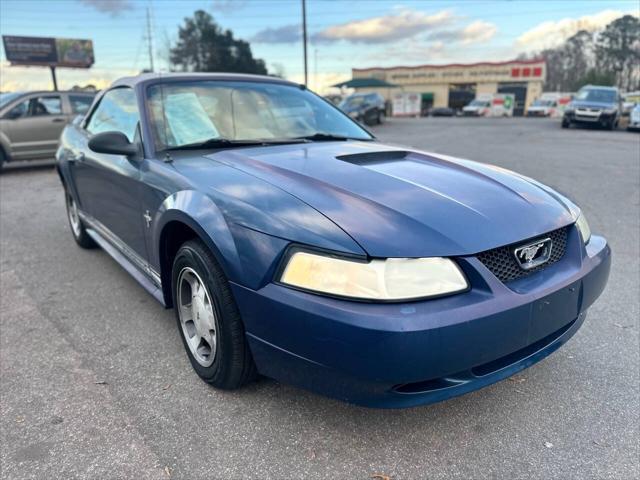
(49, 105)
(117, 112)
(19, 110)
(80, 103)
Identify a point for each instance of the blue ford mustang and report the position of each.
(290, 243)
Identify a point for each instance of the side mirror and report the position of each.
(113, 143)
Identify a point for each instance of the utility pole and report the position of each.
(315, 70)
(304, 38)
(53, 77)
(150, 39)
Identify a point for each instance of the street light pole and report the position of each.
(53, 77)
(304, 38)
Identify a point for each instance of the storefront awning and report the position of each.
(364, 83)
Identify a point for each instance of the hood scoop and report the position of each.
(373, 158)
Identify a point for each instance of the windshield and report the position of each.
(543, 103)
(352, 102)
(5, 98)
(187, 113)
(597, 95)
(479, 103)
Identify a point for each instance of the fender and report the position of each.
(201, 214)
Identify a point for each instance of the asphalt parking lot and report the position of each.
(95, 382)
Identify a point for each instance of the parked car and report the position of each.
(31, 122)
(490, 105)
(594, 105)
(634, 118)
(549, 104)
(442, 112)
(291, 243)
(368, 108)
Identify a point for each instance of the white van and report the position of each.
(490, 105)
(550, 104)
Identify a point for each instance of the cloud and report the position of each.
(552, 33)
(227, 6)
(476, 32)
(387, 28)
(284, 34)
(15, 78)
(112, 7)
(411, 51)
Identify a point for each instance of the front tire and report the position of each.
(208, 319)
(566, 123)
(78, 230)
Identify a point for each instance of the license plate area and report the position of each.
(555, 311)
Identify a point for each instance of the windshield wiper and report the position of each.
(328, 137)
(228, 143)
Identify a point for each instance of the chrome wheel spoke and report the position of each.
(197, 317)
(74, 217)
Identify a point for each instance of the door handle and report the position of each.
(58, 120)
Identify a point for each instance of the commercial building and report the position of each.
(455, 85)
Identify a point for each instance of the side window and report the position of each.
(19, 110)
(80, 103)
(117, 111)
(46, 105)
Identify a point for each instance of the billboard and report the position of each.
(55, 52)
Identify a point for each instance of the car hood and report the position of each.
(403, 203)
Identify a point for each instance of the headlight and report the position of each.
(353, 115)
(390, 279)
(609, 111)
(583, 228)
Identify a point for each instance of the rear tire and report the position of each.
(3, 158)
(78, 229)
(208, 319)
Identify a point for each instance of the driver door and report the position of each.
(112, 196)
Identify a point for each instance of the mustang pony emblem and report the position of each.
(533, 254)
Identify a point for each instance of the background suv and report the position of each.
(367, 108)
(594, 105)
(31, 122)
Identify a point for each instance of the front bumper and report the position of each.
(406, 354)
(590, 118)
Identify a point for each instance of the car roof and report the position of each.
(152, 78)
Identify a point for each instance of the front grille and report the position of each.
(502, 261)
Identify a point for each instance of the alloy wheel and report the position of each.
(74, 216)
(197, 318)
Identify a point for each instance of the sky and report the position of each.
(343, 34)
